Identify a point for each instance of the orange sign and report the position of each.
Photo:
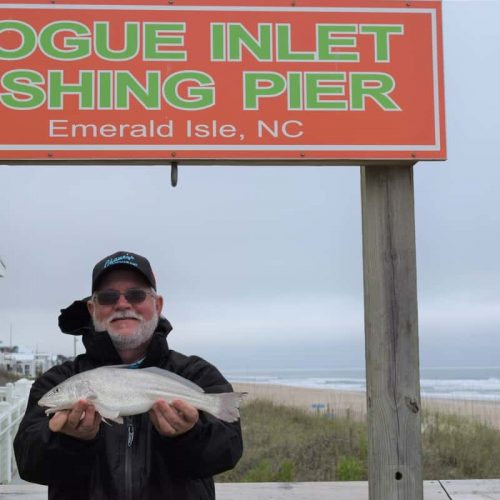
(273, 80)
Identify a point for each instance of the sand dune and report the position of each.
(353, 403)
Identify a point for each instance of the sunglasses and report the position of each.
(111, 297)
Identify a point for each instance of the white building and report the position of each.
(24, 362)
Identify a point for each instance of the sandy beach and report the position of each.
(353, 403)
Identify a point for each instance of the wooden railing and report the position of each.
(13, 400)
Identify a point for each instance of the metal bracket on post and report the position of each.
(174, 174)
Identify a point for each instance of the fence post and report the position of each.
(391, 333)
(5, 443)
(9, 392)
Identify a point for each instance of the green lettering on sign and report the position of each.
(127, 85)
(130, 46)
(73, 47)
(381, 34)
(155, 38)
(23, 91)
(375, 86)
(199, 96)
(217, 42)
(260, 47)
(326, 41)
(320, 84)
(28, 40)
(284, 51)
(84, 89)
(258, 84)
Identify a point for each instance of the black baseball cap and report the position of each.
(124, 260)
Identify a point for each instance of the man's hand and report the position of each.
(81, 422)
(175, 419)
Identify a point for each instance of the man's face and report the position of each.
(129, 325)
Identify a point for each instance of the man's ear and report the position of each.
(158, 303)
(90, 307)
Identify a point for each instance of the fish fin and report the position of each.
(108, 413)
(118, 420)
(227, 405)
(91, 397)
(173, 376)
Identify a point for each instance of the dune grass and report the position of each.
(289, 444)
(459, 448)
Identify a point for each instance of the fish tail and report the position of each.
(227, 407)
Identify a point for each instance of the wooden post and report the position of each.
(391, 333)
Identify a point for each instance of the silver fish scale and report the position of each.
(133, 390)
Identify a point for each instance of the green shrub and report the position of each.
(459, 448)
(266, 471)
(350, 469)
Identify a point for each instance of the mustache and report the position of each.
(124, 315)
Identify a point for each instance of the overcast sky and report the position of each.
(262, 266)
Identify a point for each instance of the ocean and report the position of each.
(470, 383)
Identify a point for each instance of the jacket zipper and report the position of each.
(128, 458)
(130, 436)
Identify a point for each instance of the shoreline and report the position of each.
(353, 403)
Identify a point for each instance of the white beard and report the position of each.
(142, 335)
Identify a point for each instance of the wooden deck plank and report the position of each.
(311, 491)
(257, 491)
(23, 491)
(293, 491)
(473, 489)
(434, 491)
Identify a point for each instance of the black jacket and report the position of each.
(129, 461)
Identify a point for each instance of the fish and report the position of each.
(117, 392)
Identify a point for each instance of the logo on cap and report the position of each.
(122, 259)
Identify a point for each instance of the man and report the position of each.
(172, 452)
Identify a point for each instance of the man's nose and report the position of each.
(122, 303)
